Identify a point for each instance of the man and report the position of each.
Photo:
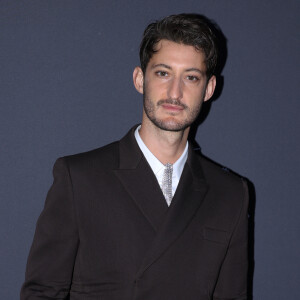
(147, 218)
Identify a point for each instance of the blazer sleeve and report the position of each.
(51, 259)
(232, 280)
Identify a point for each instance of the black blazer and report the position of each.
(107, 233)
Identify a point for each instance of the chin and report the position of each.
(170, 125)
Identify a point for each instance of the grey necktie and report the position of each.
(167, 182)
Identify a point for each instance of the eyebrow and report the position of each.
(195, 70)
(187, 70)
(161, 65)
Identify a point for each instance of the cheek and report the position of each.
(195, 98)
(155, 90)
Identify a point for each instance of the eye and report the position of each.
(161, 73)
(192, 78)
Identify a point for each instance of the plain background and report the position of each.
(66, 87)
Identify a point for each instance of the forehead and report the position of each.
(171, 53)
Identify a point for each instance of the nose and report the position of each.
(175, 89)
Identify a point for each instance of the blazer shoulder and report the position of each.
(220, 175)
(229, 188)
(106, 157)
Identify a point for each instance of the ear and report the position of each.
(138, 79)
(210, 88)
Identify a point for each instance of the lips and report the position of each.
(172, 107)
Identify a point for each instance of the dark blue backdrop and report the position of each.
(66, 87)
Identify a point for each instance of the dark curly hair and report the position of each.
(188, 29)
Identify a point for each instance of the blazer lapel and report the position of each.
(139, 181)
(189, 195)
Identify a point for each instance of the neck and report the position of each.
(166, 146)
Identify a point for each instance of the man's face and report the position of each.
(175, 86)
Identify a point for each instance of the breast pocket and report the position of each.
(215, 235)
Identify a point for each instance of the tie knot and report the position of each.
(168, 166)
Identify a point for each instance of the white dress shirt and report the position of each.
(157, 167)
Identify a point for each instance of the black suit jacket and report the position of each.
(107, 233)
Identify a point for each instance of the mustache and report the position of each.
(172, 102)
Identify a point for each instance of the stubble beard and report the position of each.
(170, 124)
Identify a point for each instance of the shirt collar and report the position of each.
(154, 163)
